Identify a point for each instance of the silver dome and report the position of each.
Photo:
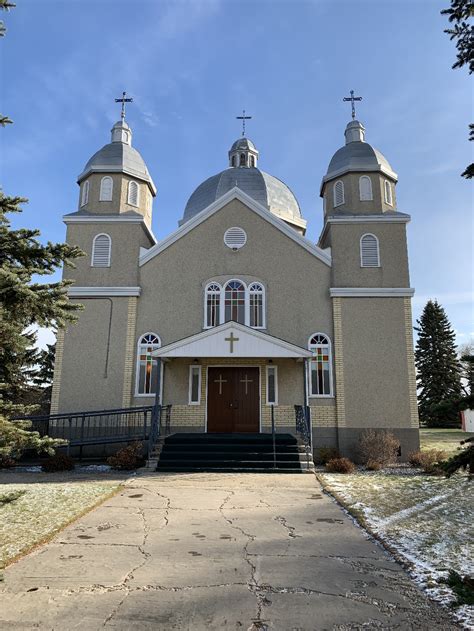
(118, 157)
(243, 143)
(357, 155)
(265, 189)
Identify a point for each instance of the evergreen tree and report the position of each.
(438, 368)
(24, 303)
(459, 13)
(43, 378)
(466, 352)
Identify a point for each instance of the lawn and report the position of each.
(446, 439)
(426, 520)
(33, 512)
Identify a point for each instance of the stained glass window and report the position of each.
(320, 372)
(148, 368)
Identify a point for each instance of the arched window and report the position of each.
(106, 188)
(101, 249)
(234, 301)
(369, 251)
(365, 188)
(85, 193)
(242, 159)
(338, 193)
(148, 367)
(233, 161)
(212, 305)
(388, 192)
(252, 161)
(320, 374)
(133, 193)
(256, 295)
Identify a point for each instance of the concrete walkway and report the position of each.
(214, 551)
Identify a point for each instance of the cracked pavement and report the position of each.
(214, 551)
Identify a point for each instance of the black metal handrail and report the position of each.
(303, 427)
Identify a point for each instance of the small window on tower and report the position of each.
(338, 193)
(133, 193)
(369, 251)
(106, 187)
(252, 161)
(365, 188)
(388, 193)
(242, 159)
(233, 161)
(85, 193)
(101, 248)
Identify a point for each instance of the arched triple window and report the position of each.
(148, 367)
(387, 187)
(133, 194)
(320, 373)
(85, 193)
(365, 188)
(338, 193)
(101, 251)
(234, 301)
(106, 189)
(369, 251)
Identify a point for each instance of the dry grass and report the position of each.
(41, 509)
(442, 439)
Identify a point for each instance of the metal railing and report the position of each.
(100, 427)
(303, 428)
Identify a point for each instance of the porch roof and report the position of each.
(232, 340)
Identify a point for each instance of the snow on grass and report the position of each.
(427, 520)
(41, 509)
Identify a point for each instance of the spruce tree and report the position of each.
(438, 368)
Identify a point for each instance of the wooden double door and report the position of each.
(233, 401)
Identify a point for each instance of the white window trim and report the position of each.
(138, 194)
(190, 384)
(85, 193)
(101, 193)
(371, 195)
(246, 306)
(331, 383)
(275, 368)
(137, 369)
(101, 234)
(335, 196)
(369, 234)
(386, 184)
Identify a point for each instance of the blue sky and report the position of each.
(191, 67)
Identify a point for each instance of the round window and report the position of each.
(235, 238)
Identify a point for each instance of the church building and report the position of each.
(236, 314)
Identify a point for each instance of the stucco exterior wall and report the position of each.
(345, 244)
(126, 242)
(92, 370)
(297, 283)
(119, 203)
(376, 379)
(352, 202)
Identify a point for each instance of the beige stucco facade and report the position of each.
(160, 289)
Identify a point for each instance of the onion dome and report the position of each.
(243, 173)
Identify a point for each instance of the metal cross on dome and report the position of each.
(243, 118)
(352, 99)
(124, 100)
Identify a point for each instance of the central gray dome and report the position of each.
(269, 191)
(265, 189)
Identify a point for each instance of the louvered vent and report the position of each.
(235, 238)
(369, 251)
(101, 251)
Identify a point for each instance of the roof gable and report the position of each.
(247, 342)
(236, 193)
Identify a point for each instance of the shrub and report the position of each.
(373, 465)
(16, 437)
(128, 458)
(426, 458)
(325, 454)
(6, 462)
(378, 446)
(58, 462)
(340, 465)
(11, 496)
(464, 459)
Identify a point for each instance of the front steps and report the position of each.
(192, 452)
